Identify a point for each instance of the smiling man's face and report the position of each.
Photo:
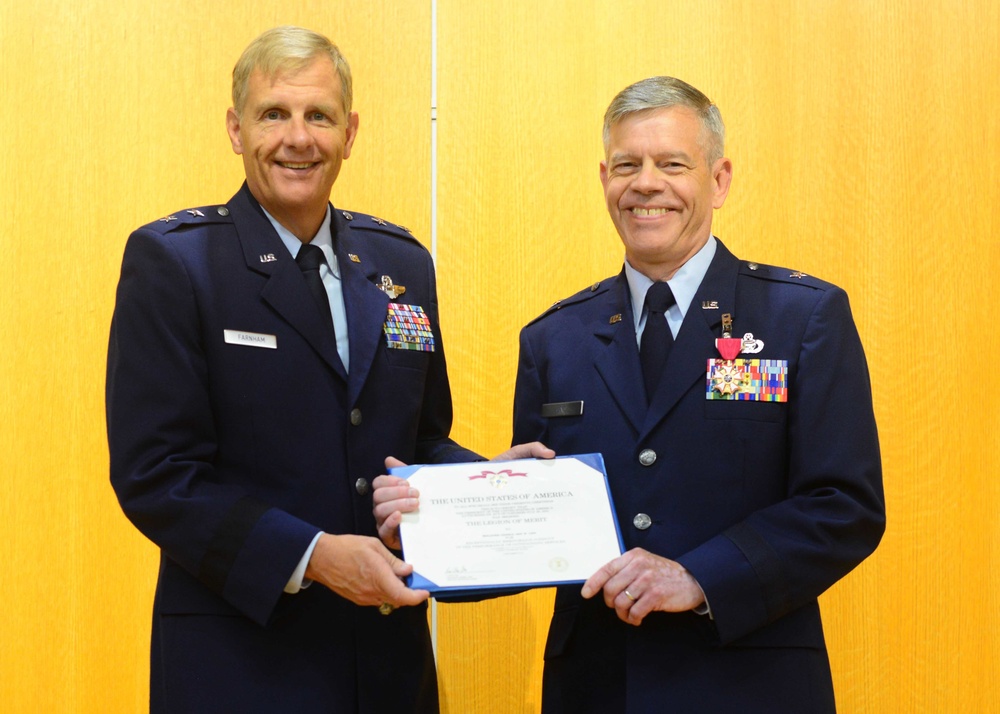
(661, 189)
(294, 135)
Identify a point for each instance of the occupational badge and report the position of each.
(750, 346)
(393, 291)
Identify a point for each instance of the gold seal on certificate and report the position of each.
(490, 526)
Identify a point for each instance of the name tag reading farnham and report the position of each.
(250, 339)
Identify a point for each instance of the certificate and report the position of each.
(494, 525)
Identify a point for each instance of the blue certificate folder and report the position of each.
(419, 581)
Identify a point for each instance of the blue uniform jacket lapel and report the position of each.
(285, 290)
(617, 359)
(695, 342)
(366, 305)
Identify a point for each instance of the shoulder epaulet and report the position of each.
(782, 275)
(594, 290)
(365, 222)
(191, 216)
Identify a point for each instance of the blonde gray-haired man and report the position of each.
(256, 385)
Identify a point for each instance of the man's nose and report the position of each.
(298, 134)
(649, 179)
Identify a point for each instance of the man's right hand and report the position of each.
(362, 570)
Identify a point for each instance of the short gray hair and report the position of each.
(662, 93)
(287, 48)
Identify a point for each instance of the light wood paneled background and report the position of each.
(866, 145)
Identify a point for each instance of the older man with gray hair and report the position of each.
(266, 356)
(731, 402)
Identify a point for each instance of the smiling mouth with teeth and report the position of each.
(287, 165)
(650, 211)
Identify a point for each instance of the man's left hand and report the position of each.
(638, 583)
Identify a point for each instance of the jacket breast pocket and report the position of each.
(407, 359)
(752, 410)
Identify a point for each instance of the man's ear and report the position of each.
(722, 176)
(352, 133)
(233, 129)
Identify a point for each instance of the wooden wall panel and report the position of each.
(867, 151)
(114, 115)
(866, 147)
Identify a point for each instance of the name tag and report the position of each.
(562, 409)
(250, 339)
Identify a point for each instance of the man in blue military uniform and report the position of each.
(266, 356)
(736, 423)
(732, 405)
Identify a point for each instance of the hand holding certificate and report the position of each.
(490, 526)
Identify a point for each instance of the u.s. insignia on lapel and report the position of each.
(268, 258)
(407, 327)
(390, 289)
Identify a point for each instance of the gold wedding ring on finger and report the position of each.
(630, 596)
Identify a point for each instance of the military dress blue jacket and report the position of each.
(766, 503)
(236, 436)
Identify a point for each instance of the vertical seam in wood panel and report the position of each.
(434, 129)
(434, 608)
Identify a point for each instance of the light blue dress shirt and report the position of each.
(329, 273)
(683, 285)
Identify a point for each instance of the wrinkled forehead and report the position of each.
(672, 120)
(279, 69)
(290, 75)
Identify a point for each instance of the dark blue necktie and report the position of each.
(656, 338)
(310, 257)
